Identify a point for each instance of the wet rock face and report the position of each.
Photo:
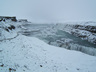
(91, 29)
(87, 28)
(85, 32)
(4, 18)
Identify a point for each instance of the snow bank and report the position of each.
(29, 54)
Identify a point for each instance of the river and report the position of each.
(60, 38)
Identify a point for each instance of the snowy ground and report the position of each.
(19, 53)
(29, 54)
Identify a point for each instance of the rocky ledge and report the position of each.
(86, 31)
(87, 28)
(4, 18)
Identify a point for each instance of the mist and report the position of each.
(50, 11)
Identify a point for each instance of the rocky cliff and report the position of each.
(4, 18)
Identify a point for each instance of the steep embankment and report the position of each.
(84, 30)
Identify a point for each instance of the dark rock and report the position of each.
(6, 29)
(78, 26)
(40, 65)
(4, 18)
(11, 69)
(14, 19)
(12, 26)
(91, 28)
(87, 28)
(78, 69)
(2, 65)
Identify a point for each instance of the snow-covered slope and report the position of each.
(19, 53)
(29, 54)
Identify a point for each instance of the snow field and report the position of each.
(29, 54)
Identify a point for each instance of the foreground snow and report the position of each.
(29, 54)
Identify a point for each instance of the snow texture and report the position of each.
(29, 54)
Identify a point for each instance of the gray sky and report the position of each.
(50, 10)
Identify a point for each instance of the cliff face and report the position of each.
(4, 18)
(87, 28)
(83, 30)
(22, 20)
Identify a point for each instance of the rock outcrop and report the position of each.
(87, 28)
(84, 30)
(4, 18)
(22, 20)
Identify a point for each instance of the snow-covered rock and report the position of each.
(86, 30)
(7, 18)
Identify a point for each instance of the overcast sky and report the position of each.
(50, 10)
